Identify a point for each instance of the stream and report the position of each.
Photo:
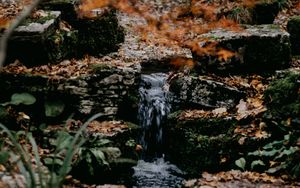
(153, 170)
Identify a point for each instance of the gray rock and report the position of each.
(257, 49)
(33, 42)
(197, 92)
(112, 79)
(41, 27)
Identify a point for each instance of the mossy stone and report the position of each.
(293, 28)
(101, 35)
(282, 97)
(265, 12)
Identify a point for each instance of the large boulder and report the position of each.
(46, 39)
(99, 31)
(200, 144)
(31, 42)
(256, 49)
(100, 34)
(264, 12)
(261, 12)
(203, 93)
(293, 28)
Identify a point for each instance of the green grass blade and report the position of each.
(37, 159)
(24, 156)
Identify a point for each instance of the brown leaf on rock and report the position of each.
(107, 127)
(224, 55)
(252, 107)
(261, 134)
(242, 140)
(220, 111)
(236, 178)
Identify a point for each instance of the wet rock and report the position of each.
(199, 144)
(254, 49)
(47, 40)
(199, 93)
(293, 28)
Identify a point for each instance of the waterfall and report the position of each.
(153, 110)
(153, 170)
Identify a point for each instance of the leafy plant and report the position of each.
(241, 163)
(54, 108)
(96, 154)
(278, 152)
(21, 98)
(35, 175)
(274, 157)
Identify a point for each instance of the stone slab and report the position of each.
(257, 49)
(202, 93)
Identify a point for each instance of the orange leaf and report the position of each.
(224, 55)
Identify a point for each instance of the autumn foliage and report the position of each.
(180, 25)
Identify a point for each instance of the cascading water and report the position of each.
(153, 170)
(153, 110)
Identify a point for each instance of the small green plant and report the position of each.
(96, 154)
(37, 175)
(240, 15)
(275, 157)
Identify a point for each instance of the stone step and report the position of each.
(257, 49)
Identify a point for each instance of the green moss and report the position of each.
(101, 35)
(208, 126)
(100, 67)
(293, 28)
(132, 125)
(200, 144)
(195, 153)
(282, 97)
(62, 45)
(40, 20)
